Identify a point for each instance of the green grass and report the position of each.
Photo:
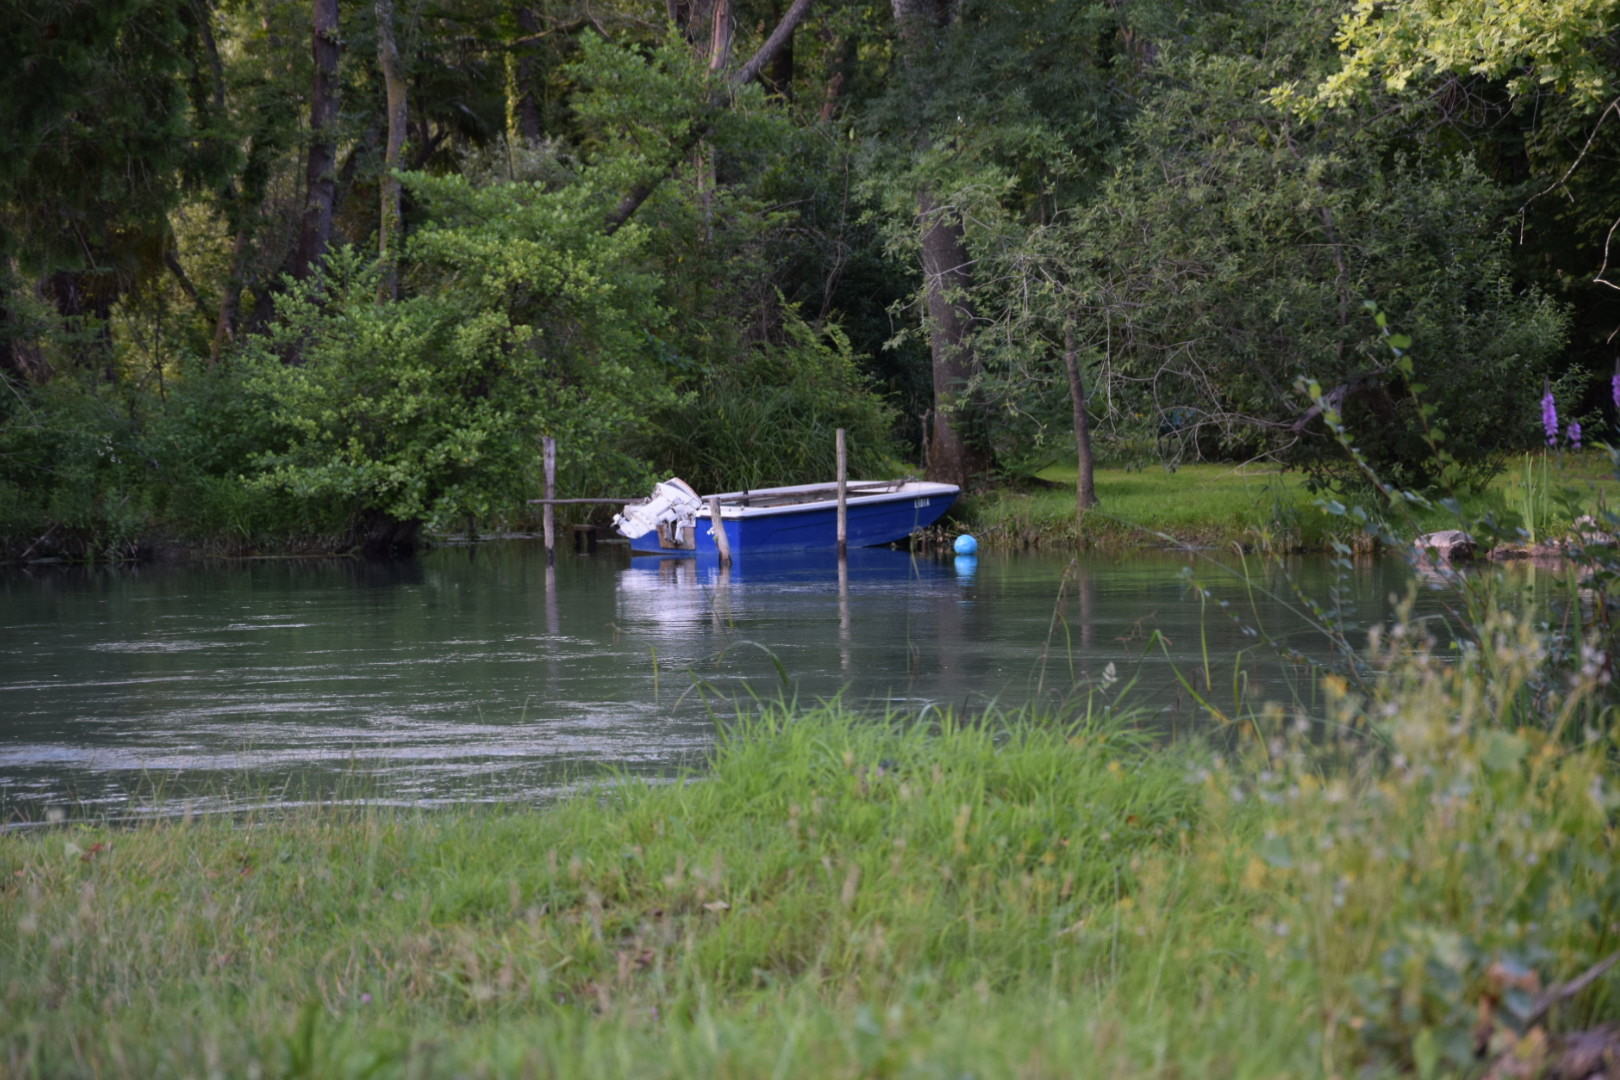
(1546, 492)
(862, 897)
(1204, 505)
(1261, 507)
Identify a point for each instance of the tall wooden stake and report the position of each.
(843, 495)
(548, 515)
(721, 540)
(1085, 477)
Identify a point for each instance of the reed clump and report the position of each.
(1388, 890)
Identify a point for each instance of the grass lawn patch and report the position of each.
(1203, 504)
(1264, 508)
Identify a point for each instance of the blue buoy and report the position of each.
(966, 545)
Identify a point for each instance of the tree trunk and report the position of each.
(528, 108)
(947, 280)
(171, 261)
(780, 79)
(721, 28)
(230, 299)
(839, 69)
(1085, 483)
(20, 354)
(242, 203)
(680, 16)
(230, 302)
(86, 299)
(389, 225)
(320, 175)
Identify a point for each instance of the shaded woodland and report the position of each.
(319, 275)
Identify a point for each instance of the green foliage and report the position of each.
(101, 133)
(1531, 44)
(828, 258)
(71, 466)
(1524, 87)
(1121, 176)
(633, 106)
(1414, 439)
(92, 470)
(528, 322)
(108, 127)
(1006, 101)
(1277, 232)
(771, 418)
(717, 230)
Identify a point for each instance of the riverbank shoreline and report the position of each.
(1262, 508)
(1249, 507)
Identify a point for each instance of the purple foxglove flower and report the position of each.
(1614, 390)
(1549, 418)
(1575, 434)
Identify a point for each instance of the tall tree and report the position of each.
(999, 121)
(320, 174)
(388, 227)
(701, 126)
(1529, 86)
(1231, 252)
(528, 118)
(1085, 481)
(105, 111)
(1531, 44)
(947, 273)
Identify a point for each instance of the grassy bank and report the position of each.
(1203, 505)
(846, 896)
(1261, 507)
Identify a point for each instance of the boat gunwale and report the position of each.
(898, 491)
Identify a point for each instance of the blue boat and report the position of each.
(675, 520)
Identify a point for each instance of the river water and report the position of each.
(476, 673)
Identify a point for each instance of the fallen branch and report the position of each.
(30, 549)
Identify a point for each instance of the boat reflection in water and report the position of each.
(831, 622)
(787, 569)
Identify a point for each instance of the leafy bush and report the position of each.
(1233, 251)
(75, 466)
(771, 418)
(527, 321)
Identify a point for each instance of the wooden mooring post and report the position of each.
(548, 516)
(843, 496)
(584, 535)
(722, 542)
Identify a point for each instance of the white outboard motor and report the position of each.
(672, 501)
